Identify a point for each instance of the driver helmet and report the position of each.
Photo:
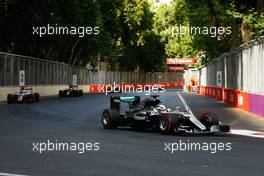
(161, 108)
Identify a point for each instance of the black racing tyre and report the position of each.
(10, 99)
(36, 97)
(65, 92)
(60, 93)
(168, 124)
(110, 118)
(208, 120)
(80, 92)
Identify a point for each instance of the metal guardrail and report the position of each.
(45, 72)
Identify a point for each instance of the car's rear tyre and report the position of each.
(110, 118)
(208, 120)
(168, 124)
(36, 97)
(10, 99)
(60, 93)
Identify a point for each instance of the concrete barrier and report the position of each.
(256, 104)
(44, 91)
(53, 90)
(250, 102)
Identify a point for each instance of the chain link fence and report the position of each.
(45, 72)
(241, 69)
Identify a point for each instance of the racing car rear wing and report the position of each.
(131, 100)
(26, 88)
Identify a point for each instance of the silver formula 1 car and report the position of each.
(25, 95)
(151, 115)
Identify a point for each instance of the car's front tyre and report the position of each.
(208, 120)
(60, 93)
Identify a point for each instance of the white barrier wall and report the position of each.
(241, 69)
(45, 72)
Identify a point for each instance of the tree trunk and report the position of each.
(73, 50)
(260, 6)
(217, 23)
(77, 56)
(245, 31)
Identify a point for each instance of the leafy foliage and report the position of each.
(242, 17)
(131, 34)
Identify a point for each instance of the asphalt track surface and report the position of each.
(122, 151)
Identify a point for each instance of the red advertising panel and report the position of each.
(187, 61)
(176, 68)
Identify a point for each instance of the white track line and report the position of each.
(249, 133)
(8, 174)
(192, 116)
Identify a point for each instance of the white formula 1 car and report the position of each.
(25, 95)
